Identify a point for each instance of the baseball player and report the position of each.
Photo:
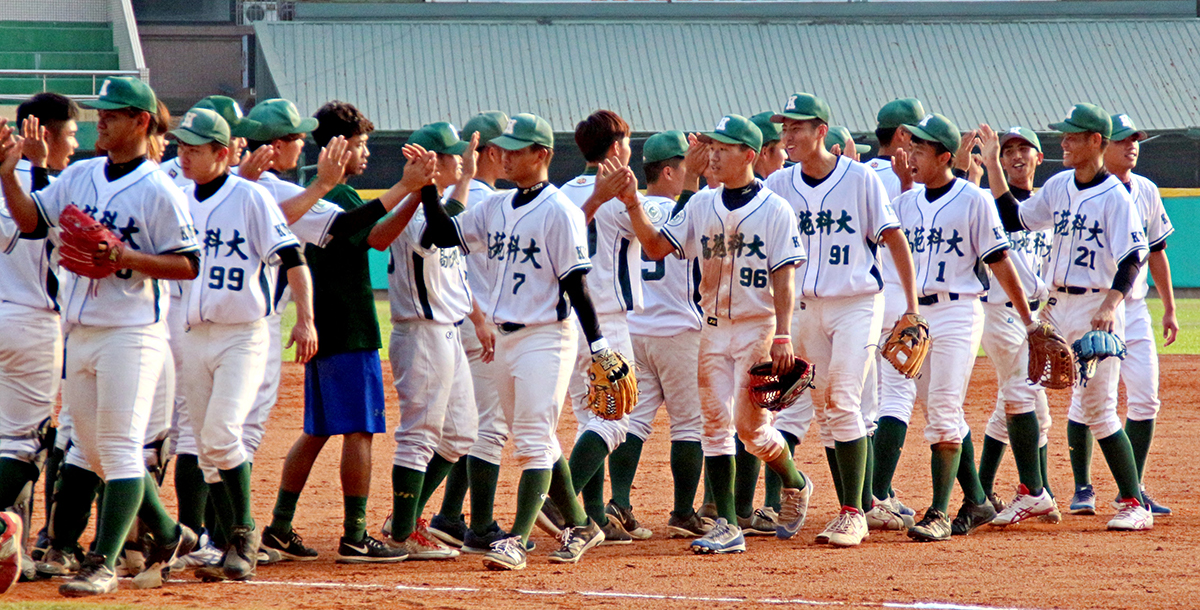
(480, 471)
(536, 245)
(429, 298)
(1139, 370)
(1096, 252)
(953, 229)
(229, 110)
(116, 336)
(839, 141)
(843, 211)
(616, 289)
(887, 512)
(1004, 341)
(746, 296)
(773, 154)
(244, 233)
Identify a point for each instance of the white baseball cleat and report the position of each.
(1133, 517)
(1025, 506)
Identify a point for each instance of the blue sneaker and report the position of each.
(1083, 502)
(451, 532)
(1156, 509)
(722, 538)
(793, 508)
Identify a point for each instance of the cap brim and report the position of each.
(242, 130)
(188, 137)
(1065, 127)
(778, 118)
(1118, 136)
(712, 135)
(457, 149)
(103, 105)
(510, 143)
(919, 133)
(862, 148)
(306, 125)
(1009, 137)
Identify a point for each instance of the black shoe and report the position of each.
(41, 545)
(694, 526)
(450, 531)
(161, 554)
(289, 544)
(997, 502)
(550, 519)
(628, 521)
(370, 550)
(971, 516)
(934, 527)
(482, 543)
(93, 578)
(241, 559)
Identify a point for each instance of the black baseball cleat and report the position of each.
(241, 559)
(970, 516)
(288, 544)
(934, 527)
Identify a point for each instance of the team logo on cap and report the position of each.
(791, 103)
(104, 88)
(237, 110)
(512, 124)
(453, 131)
(722, 123)
(1125, 122)
(925, 121)
(1070, 111)
(1015, 131)
(186, 123)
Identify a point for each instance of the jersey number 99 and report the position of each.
(220, 278)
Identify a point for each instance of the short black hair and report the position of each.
(654, 169)
(338, 118)
(51, 109)
(596, 134)
(885, 135)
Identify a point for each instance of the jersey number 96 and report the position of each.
(753, 277)
(220, 278)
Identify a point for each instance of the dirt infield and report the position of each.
(1075, 564)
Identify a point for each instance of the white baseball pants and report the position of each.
(666, 374)
(535, 366)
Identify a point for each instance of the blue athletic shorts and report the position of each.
(343, 394)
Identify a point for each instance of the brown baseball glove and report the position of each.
(908, 344)
(777, 392)
(1051, 363)
(613, 391)
(88, 248)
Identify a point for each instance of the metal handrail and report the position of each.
(48, 74)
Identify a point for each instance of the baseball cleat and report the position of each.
(996, 502)
(884, 515)
(57, 562)
(614, 532)
(933, 527)
(449, 531)
(205, 555)
(241, 559)
(160, 555)
(1025, 506)
(628, 521)
(1054, 516)
(28, 569)
(847, 529)
(482, 543)
(550, 520)
(1084, 501)
(369, 550)
(970, 516)
(692, 527)
(793, 508)
(723, 538)
(506, 554)
(422, 546)
(708, 510)
(761, 522)
(576, 541)
(289, 544)
(1132, 517)
(10, 549)
(1156, 509)
(93, 578)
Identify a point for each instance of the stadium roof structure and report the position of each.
(437, 62)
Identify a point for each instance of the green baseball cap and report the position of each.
(201, 126)
(802, 107)
(838, 135)
(524, 130)
(440, 137)
(275, 118)
(664, 145)
(736, 129)
(1083, 118)
(489, 124)
(1021, 133)
(771, 131)
(124, 92)
(936, 128)
(1123, 129)
(902, 111)
(229, 110)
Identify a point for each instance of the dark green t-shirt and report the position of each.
(343, 302)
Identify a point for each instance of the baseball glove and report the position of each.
(1050, 361)
(908, 344)
(88, 248)
(777, 392)
(613, 391)
(1094, 346)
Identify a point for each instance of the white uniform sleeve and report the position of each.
(784, 247)
(171, 228)
(987, 232)
(877, 207)
(1124, 225)
(1158, 224)
(52, 199)
(9, 234)
(679, 231)
(270, 229)
(313, 227)
(568, 249)
(1037, 212)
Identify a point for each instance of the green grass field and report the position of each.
(1187, 311)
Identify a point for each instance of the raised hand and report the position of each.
(331, 164)
(35, 148)
(470, 157)
(253, 164)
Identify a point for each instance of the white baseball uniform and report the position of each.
(666, 340)
(30, 334)
(529, 250)
(840, 304)
(737, 251)
(949, 239)
(1139, 370)
(241, 230)
(616, 289)
(430, 298)
(116, 342)
(1092, 230)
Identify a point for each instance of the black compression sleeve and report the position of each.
(1127, 271)
(454, 207)
(1159, 247)
(349, 224)
(1010, 214)
(41, 178)
(290, 257)
(996, 256)
(439, 229)
(575, 286)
